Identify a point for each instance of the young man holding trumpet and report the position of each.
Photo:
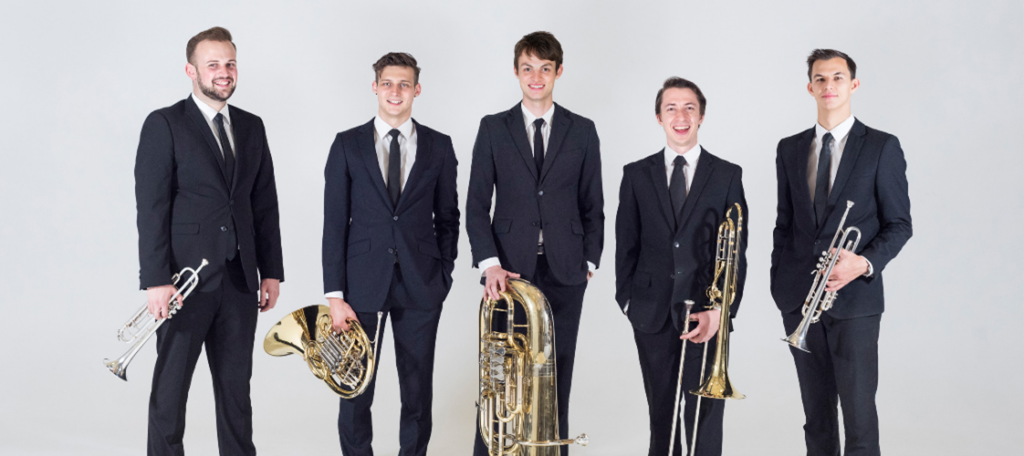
(670, 207)
(820, 172)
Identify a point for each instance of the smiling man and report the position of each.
(670, 205)
(544, 164)
(819, 170)
(391, 230)
(204, 187)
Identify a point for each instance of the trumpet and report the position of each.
(818, 300)
(518, 402)
(141, 326)
(346, 362)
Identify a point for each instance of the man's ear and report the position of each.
(190, 71)
(373, 86)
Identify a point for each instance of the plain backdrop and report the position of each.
(79, 78)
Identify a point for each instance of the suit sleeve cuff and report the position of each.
(492, 261)
(334, 294)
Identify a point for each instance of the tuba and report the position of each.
(518, 403)
(346, 362)
(141, 326)
(818, 300)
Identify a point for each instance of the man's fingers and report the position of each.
(513, 275)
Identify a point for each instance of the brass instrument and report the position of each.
(346, 362)
(818, 300)
(518, 406)
(679, 386)
(141, 326)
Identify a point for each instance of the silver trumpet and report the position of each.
(818, 300)
(141, 326)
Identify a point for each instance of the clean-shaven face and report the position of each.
(395, 89)
(214, 69)
(680, 117)
(537, 77)
(831, 84)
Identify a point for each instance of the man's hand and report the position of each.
(341, 312)
(158, 298)
(590, 275)
(849, 266)
(707, 326)
(269, 290)
(497, 279)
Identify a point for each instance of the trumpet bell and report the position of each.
(798, 339)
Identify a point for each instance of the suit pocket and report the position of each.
(185, 228)
(430, 248)
(358, 247)
(577, 227)
(501, 226)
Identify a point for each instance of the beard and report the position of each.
(211, 91)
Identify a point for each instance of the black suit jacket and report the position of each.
(363, 232)
(872, 174)
(566, 199)
(186, 212)
(659, 265)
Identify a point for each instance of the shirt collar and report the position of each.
(530, 118)
(210, 113)
(839, 133)
(691, 156)
(383, 129)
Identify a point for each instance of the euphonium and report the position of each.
(141, 326)
(346, 362)
(727, 263)
(518, 407)
(818, 300)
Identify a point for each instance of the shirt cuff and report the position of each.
(871, 268)
(591, 267)
(492, 261)
(334, 294)
(625, 310)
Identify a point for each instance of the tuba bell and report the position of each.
(518, 402)
(346, 362)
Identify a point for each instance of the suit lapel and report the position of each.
(204, 130)
(705, 165)
(369, 154)
(850, 153)
(517, 128)
(424, 159)
(240, 131)
(656, 167)
(798, 172)
(560, 123)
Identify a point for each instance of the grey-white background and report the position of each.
(79, 78)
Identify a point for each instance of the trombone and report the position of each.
(141, 326)
(818, 300)
(717, 385)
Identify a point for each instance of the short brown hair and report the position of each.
(829, 54)
(542, 45)
(399, 59)
(676, 82)
(213, 34)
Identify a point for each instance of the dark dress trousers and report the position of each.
(662, 260)
(187, 212)
(396, 259)
(843, 363)
(565, 199)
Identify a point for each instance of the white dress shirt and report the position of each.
(382, 145)
(545, 131)
(691, 156)
(840, 134)
(209, 113)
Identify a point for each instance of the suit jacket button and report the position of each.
(536, 223)
(391, 251)
(224, 228)
(817, 242)
(231, 203)
(677, 245)
(540, 193)
(395, 218)
(671, 276)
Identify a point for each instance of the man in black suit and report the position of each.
(204, 187)
(819, 170)
(544, 163)
(666, 231)
(391, 229)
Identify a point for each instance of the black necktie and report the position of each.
(677, 186)
(821, 185)
(225, 148)
(538, 144)
(394, 168)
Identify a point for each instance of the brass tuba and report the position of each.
(346, 362)
(518, 407)
(818, 300)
